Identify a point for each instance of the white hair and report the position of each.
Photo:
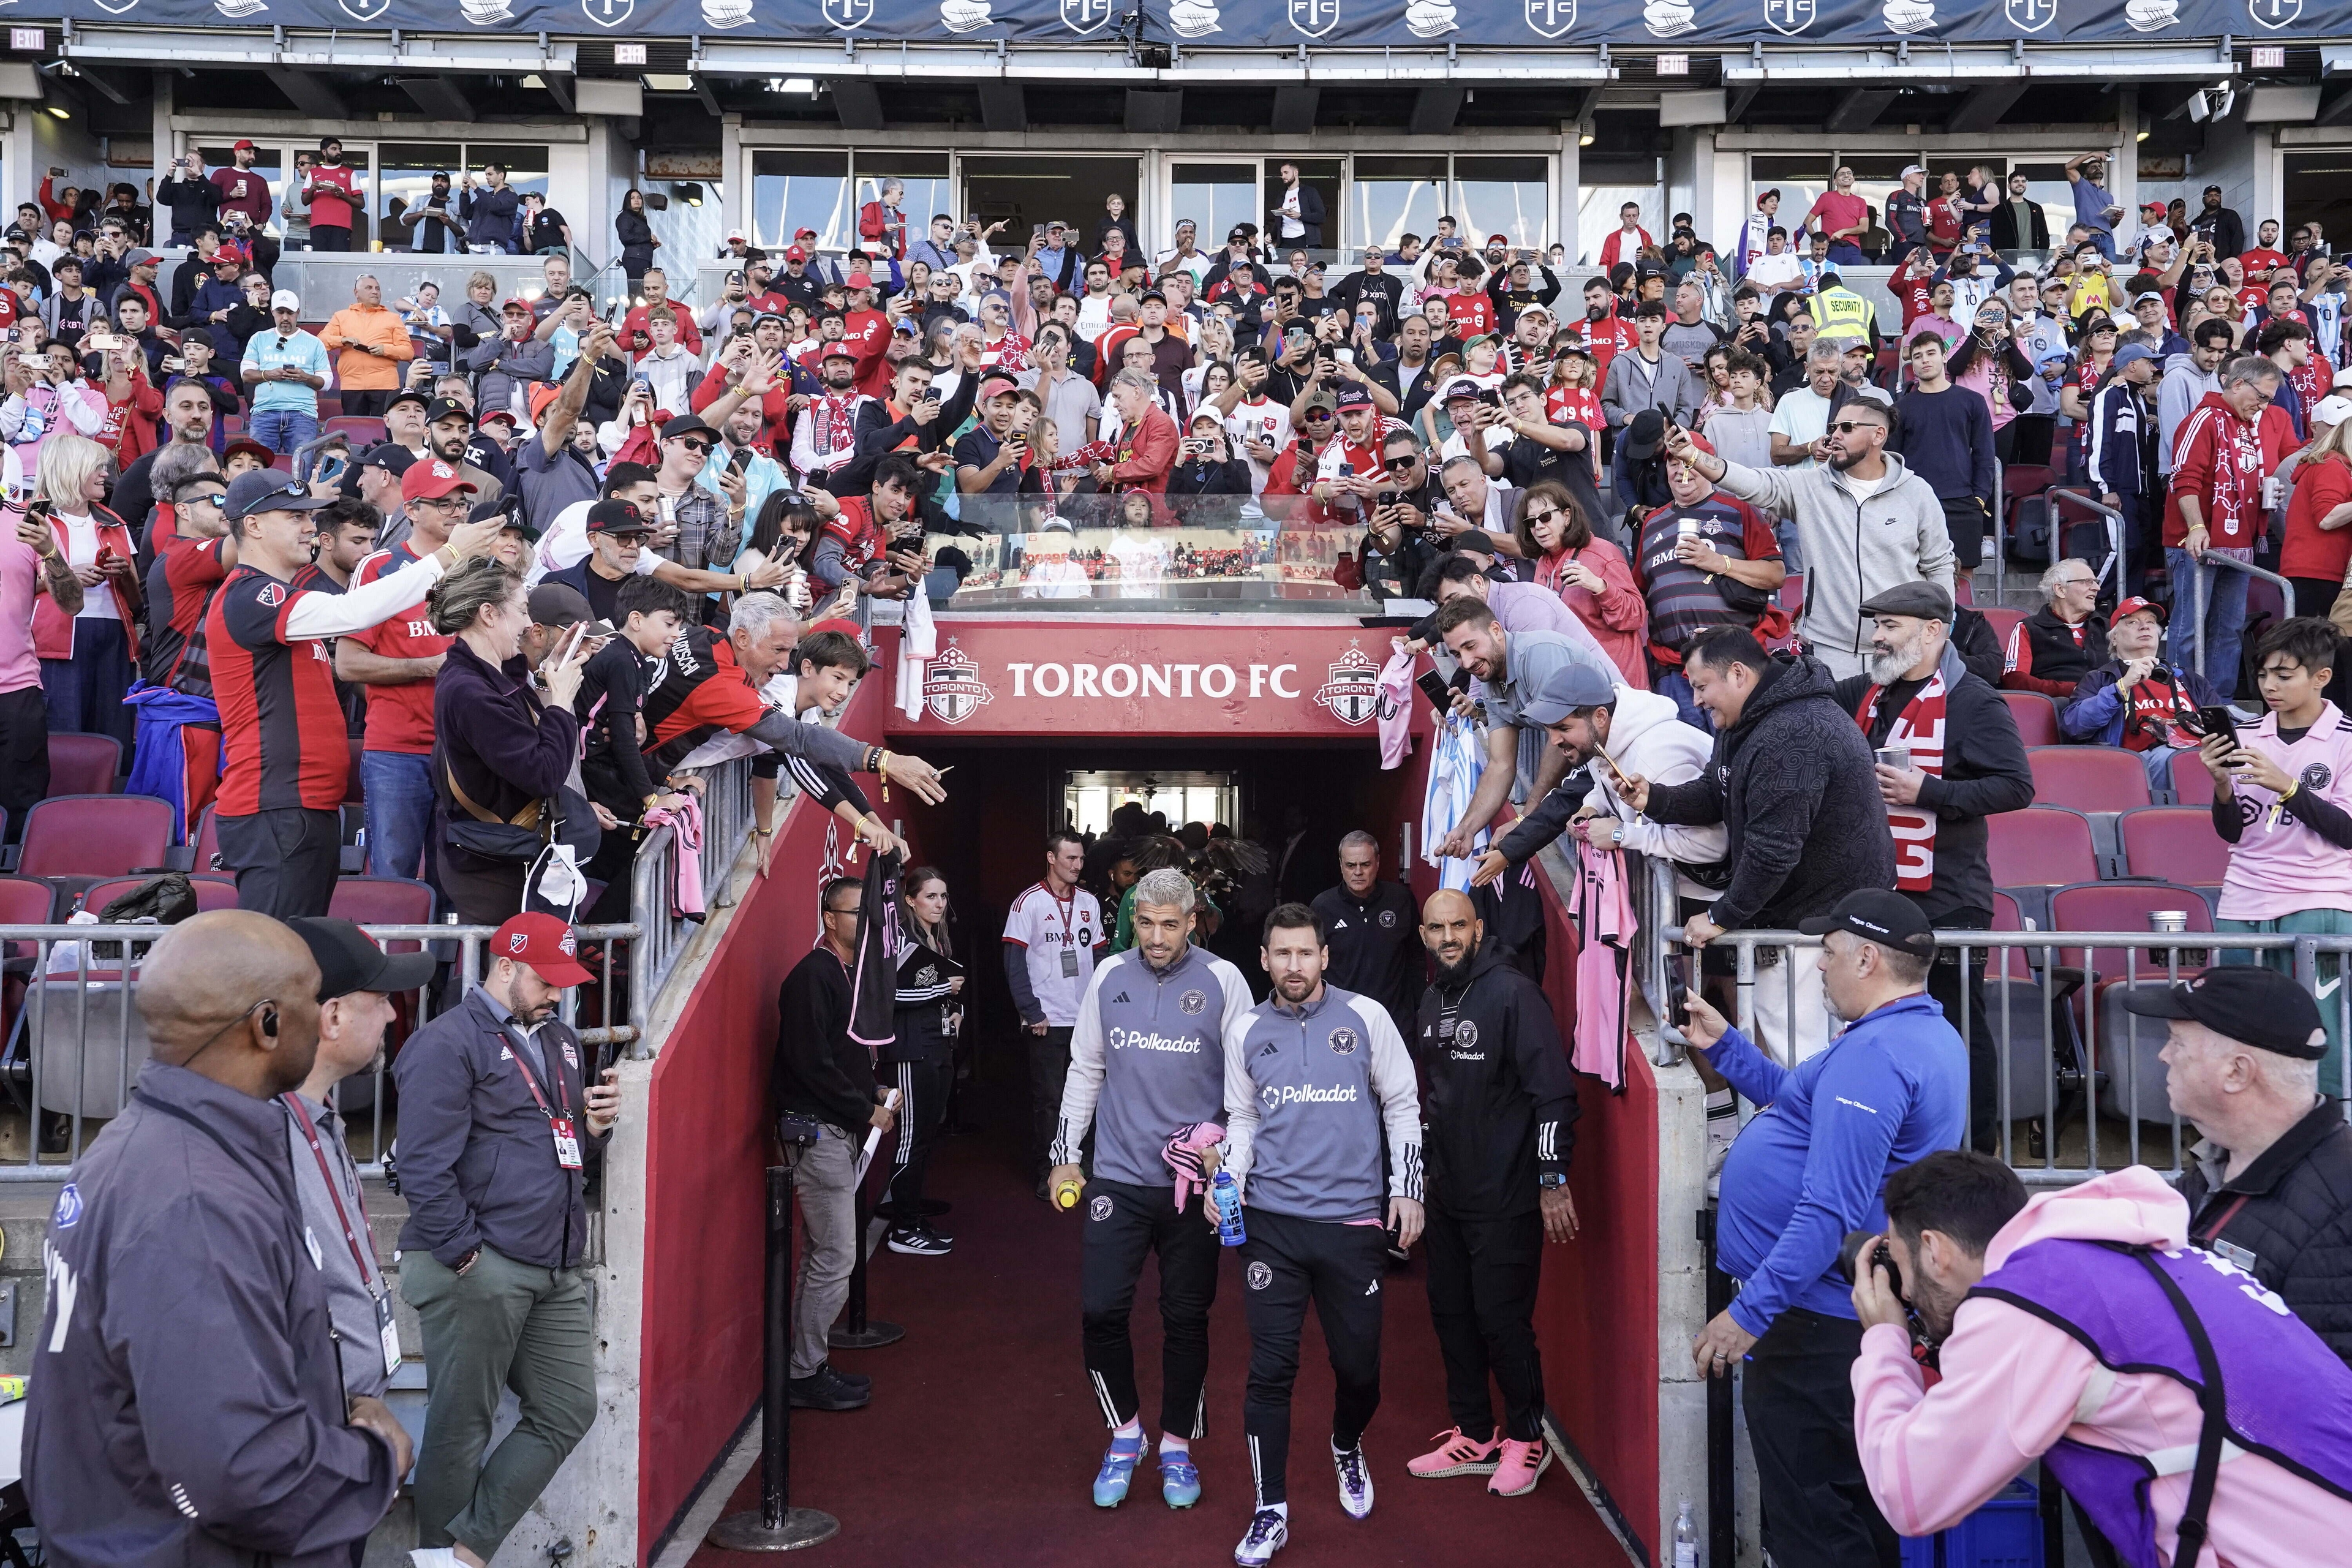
(755, 613)
(2050, 578)
(1360, 840)
(1166, 889)
(1141, 381)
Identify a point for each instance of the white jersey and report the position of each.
(1263, 420)
(1060, 940)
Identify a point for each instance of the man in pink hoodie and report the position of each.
(2033, 1312)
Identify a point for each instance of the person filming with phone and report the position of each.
(2137, 698)
(2188, 1415)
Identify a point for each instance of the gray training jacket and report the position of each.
(1302, 1130)
(1148, 1055)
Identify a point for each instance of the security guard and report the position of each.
(1502, 1106)
(1840, 312)
(1374, 950)
(186, 1405)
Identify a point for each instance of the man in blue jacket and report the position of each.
(186, 1403)
(1808, 1169)
(496, 1086)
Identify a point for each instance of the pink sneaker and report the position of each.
(1520, 1464)
(1454, 1456)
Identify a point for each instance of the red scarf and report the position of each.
(1920, 726)
(840, 423)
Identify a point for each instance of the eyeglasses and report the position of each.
(1399, 465)
(1848, 426)
(2078, 582)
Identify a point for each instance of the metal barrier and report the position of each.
(2053, 1063)
(726, 821)
(95, 997)
(2214, 558)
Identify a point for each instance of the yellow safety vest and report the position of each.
(1842, 312)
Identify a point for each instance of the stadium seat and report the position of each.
(2036, 716)
(1964, 590)
(214, 891)
(84, 764)
(1792, 593)
(363, 430)
(2176, 843)
(25, 901)
(2026, 479)
(2192, 785)
(207, 845)
(2003, 623)
(2022, 1021)
(77, 839)
(384, 901)
(2088, 778)
(2041, 846)
(2123, 907)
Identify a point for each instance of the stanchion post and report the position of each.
(776, 1525)
(857, 1332)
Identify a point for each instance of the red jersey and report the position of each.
(399, 718)
(636, 337)
(179, 590)
(1915, 292)
(868, 334)
(1472, 313)
(863, 541)
(328, 209)
(1580, 403)
(2252, 298)
(282, 730)
(2261, 263)
(697, 690)
(1607, 338)
(1944, 221)
(1011, 351)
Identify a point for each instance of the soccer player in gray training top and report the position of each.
(1148, 1072)
(1312, 1074)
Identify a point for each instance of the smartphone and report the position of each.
(103, 342)
(740, 460)
(2217, 722)
(334, 467)
(1678, 985)
(1432, 685)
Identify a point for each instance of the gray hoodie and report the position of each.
(1855, 548)
(1631, 386)
(2184, 388)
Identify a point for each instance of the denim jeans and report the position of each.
(1675, 687)
(2225, 618)
(399, 811)
(283, 429)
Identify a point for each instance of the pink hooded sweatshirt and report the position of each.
(2013, 1385)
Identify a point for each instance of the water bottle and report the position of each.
(1226, 1193)
(1685, 1538)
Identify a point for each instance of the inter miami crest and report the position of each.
(1343, 1041)
(1352, 695)
(1259, 1276)
(1192, 1002)
(1101, 1209)
(952, 687)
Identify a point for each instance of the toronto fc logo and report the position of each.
(952, 687)
(1352, 695)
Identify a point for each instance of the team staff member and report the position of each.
(287, 761)
(1501, 1107)
(496, 1088)
(1052, 935)
(1148, 1057)
(356, 979)
(186, 1405)
(1374, 950)
(1805, 1172)
(1313, 1076)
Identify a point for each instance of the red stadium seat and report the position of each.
(84, 764)
(2176, 843)
(1792, 593)
(363, 430)
(384, 901)
(214, 891)
(2036, 716)
(2002, 622)
(2088, 778)
(1964, 590)
(207, 839)
(2041, 846)
(93, 837)
(2192, 783)
(2122, 907)
(2026, 479)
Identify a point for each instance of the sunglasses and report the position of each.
(701, 448)
(1848, 426)
(1547, 515)
(1318, 413)
(1399, 465)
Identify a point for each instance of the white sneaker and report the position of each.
(1355, 1480)
(1269, 1533)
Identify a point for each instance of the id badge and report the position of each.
(387, 1335)
(567, 1142)
(1069, 963)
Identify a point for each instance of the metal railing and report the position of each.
(726, 821)
(2203, 593)
(78, 1022)
(2069, 1059)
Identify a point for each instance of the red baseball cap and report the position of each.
(2133, 607)
(795, 253)
(1498, 240)
(242, 147)
(858, 281)
(514, 303)
(430, 481)
(540, 943)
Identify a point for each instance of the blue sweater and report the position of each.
(1812, 1164)
(1946, 437)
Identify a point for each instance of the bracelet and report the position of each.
(882, 767)
(872, 759)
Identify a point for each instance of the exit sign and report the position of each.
(1674, 65)
(30, 38)
(628, 53)
(2269, 58)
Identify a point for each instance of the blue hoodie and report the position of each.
(1813, 1163)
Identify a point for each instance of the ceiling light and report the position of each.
(2143, 134)
(691, 194)
(1585, 132)
(59, 110)
(806, 84)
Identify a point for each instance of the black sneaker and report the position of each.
(920, 1241)
(825, 1389)
(857, 1380)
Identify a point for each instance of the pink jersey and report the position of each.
(2278, 866)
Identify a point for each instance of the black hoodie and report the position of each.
(1792, 781)
(1501, 1104)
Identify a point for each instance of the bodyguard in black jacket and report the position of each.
(1501, 1105)
(2291, 1211)
(1374, 938)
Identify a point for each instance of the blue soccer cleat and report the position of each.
(1179, 1478)
(1119, 1469)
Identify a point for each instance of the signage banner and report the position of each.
(1282, 24)
(1071, 677)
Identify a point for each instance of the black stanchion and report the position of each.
(857, 1332)
(1721, 1505)
(776, 1525)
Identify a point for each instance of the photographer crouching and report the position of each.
(2230, 1440)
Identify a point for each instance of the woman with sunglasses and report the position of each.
(1988, 362)
(2095, 352)
(1590, 575)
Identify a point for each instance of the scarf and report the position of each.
(840, 423)
(1920, 726)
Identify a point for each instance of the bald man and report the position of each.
(1501, 1107)
(186, 1403)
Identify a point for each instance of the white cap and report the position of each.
(286, 300)
(1910, 170)
(2344, 377)
(2332, 411)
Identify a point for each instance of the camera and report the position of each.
(1851, 1263)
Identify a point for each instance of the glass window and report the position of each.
(793, 191)
(526, 167)
(406, 186)
(928, 190)
(267, 161)
(1394, 198)
(1607, 186)
(1215, 196)
(1322, 175)
(1510, 196)
(1800, 182)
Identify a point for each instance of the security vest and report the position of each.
(1839, 311)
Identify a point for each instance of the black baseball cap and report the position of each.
(1879, 915)
(618, 517)
(688, 425)
(390, 456)
(2243, 1002)
(267, 489)
(1645, 435)
(349, 960)
(409, 395)
(442, 408)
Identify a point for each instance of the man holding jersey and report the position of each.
(1147, 1074)
(1312, 1076)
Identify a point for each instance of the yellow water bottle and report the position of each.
(1067, 1196)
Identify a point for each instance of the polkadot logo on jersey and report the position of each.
(1259, 1276)
(1099, 1209)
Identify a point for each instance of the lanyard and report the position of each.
(530, 1081)
(369, 1270)
(1065, 907)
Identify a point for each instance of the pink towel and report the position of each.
(1183, 1156)
(686, 897)
(1604, 918)
(1396, 707)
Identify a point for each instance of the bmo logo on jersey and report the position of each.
(1306, 1094)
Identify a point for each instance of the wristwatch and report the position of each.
(1551, 1179)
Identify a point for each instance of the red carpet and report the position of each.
(982, 1438)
